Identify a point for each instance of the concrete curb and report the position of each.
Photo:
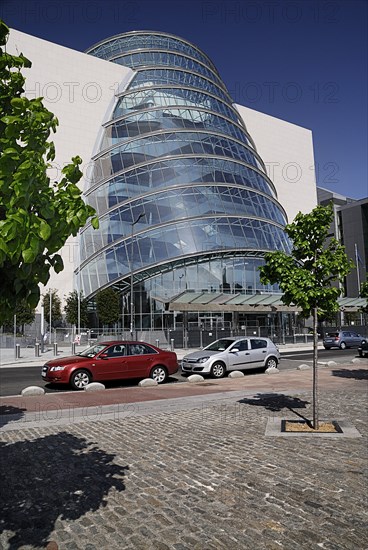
(32, 391)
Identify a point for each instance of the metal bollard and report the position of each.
(172, 344)
(17, 351)
(73, 348)
(37, 349)
(158, 343)
(55, 348)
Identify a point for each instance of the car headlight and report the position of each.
(55, 369)
(203, 359)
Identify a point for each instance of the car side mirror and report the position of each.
(103, 356)
(234, 350)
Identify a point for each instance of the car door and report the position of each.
(356, 339)
(258, 351)
(110, 365)
(346, 338)
(141, 358)
(239, 355)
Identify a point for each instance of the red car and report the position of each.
(113, 360)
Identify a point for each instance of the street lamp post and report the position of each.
(141, 215)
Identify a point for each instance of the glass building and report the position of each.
(183, 197)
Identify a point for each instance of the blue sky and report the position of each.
(304, 61)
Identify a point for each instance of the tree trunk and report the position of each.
(315, 371)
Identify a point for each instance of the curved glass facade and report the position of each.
(182, 195)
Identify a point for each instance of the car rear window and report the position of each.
(258, 344)
(332, 334)
(140, 349)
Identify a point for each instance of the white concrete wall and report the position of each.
(287, 151)
(80, 90)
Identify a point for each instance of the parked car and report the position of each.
(363, 349)
(114, 360)
(342, 339)
(235, 353)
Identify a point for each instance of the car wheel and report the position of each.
(218, 370)
(326, 347)
(342, 345)
(80, 379)
(159, 374)
(271, 363)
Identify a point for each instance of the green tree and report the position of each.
(306, 277)
(36, 216)
(56, 315)
(71, 309)
(24, 316)
(108, 306)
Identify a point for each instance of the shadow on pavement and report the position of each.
(56, 476)
(276, 402)
(358, 374)
(9, 413)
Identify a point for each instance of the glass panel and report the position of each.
(188, 237)
(168, 76)
(126, 43)
(176, 172)
(169, 97)
(155, 58)
(169, 118)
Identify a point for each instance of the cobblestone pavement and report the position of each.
(205, 478)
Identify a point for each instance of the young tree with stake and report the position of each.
(306, 276)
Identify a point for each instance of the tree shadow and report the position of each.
(276, 402)
(358, 374)
(8, 413)
(56, 476)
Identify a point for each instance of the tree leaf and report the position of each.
(44, 230)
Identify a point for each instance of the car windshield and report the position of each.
(219, 345)
(92, 351)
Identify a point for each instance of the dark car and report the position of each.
(342, 339)
(114, 360)
(363, 349)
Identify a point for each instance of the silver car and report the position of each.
(234, 353)
(342, 339)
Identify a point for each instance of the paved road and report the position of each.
(14, 380)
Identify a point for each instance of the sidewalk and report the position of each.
(183, 467)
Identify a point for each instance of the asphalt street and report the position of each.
(14, 379)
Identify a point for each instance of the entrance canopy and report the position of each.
(251, 303)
